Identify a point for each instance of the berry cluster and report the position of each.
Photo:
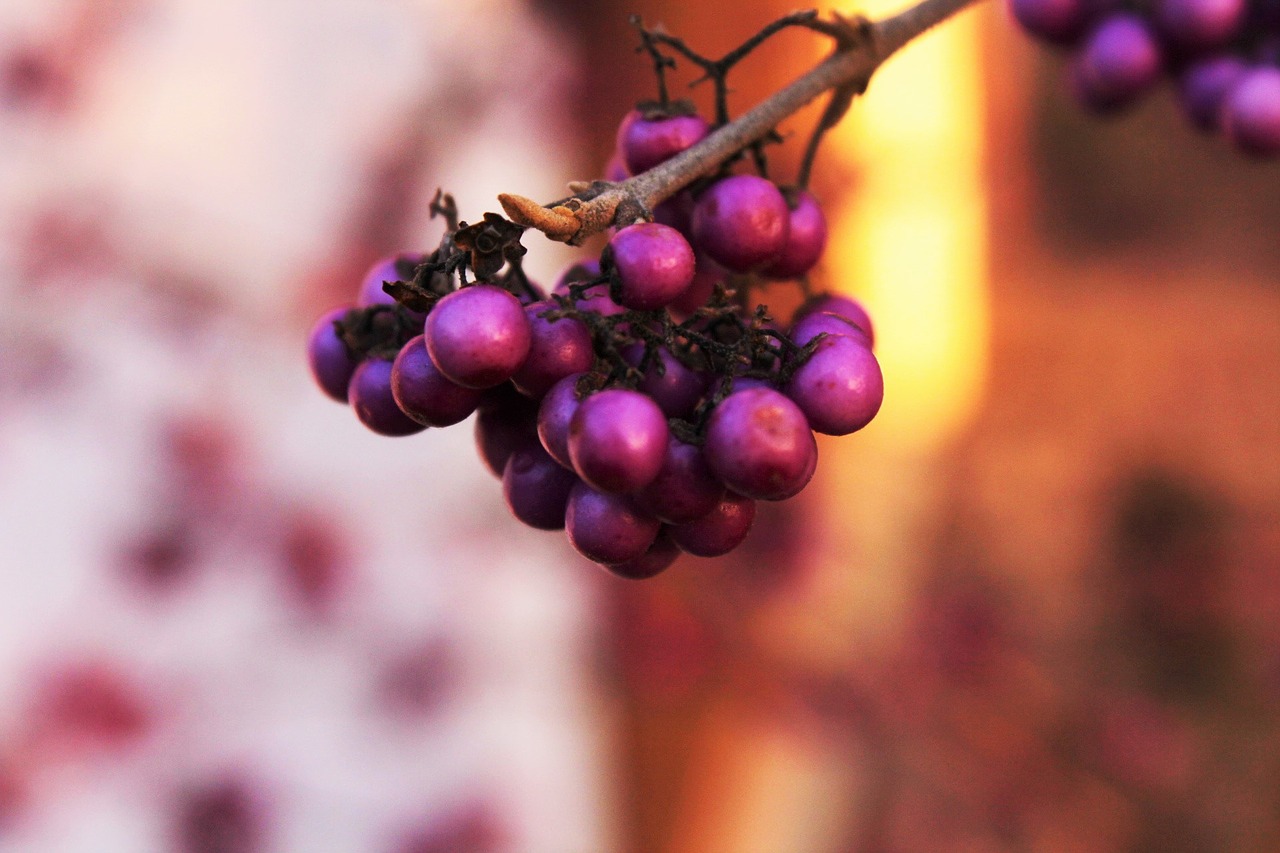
(1223, 54)
(640, 406)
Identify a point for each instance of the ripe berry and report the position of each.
(375, 404)
(1251, 112)
(556, 349)
(607, 528)
(554, 415)
(719, 531)
(685, 488)
(332, 364)
(661, 554)
(1204, 85)
(424, 393)
(654, 264)
(760, 445)
(825, 323)
(617, 440)
(840, 388)
(806, 238)
(478, 336)
(644, 143)
(1119, 60)
(536, 488)
(841, 306)
(741, 222)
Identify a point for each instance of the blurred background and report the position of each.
(1035, 606)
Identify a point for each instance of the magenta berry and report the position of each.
(536, 487)
(557, 348)
(617, 440)
(332, 364)
(644, 143)
(760, 445)
(374, 403)
(424, 393)
(806, 238)
(607, 528)
(654, 265)
(742, 222)
(478, 336)
(840, 387)
(719, 531)
(1251, 112)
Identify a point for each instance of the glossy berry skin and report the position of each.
(661, 554)
(1251, 112)
(719, 531)
(644, 143)
(478, 336)
(536, 488)
(374, 404)
(424, 393)
(1055, 21)
(741, 222)
(826, 323)
(554, 415)
(617, 440)
(685, 488)
(760, 445)
(332, 364)
(840, 388)
(1203, 86)
(841, 306)
(557, 348)
(706, 275)
(1119, 60)
(371, 291)
(654, 265)
(503, 430)
(1198, 24)
(676, 389)
(806, 238)
(607, 528)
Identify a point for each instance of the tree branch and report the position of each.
(573, 220)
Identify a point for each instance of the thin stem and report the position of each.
(574, 220)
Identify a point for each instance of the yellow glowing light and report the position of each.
(911, 240)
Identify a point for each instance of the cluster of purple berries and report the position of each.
(1223, 54)
(642, 437)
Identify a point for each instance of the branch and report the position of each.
(849, 68)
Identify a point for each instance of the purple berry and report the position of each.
(685, 488)
(504, 430)
(706, 275)
(1203, 86)
(557, 348)
(644, 143)
(536, 488)
(424, 393)
(1199, 24)
(386, 269)
(676, 212)
(840, 388)
(676, 389)
(760, 445)
(607, 528)
(826, 323)
(617, 440)
(1119, 61)
(1055, 21)
(554, 416)
(370, 395)
(661, 554)
(806, 238)
(741, 222)
(1251, 112)
(478, 336)
(332, 364)
(841, 306)
(719, 531)
(654, 265)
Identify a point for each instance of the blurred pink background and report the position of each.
(1033, 607)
